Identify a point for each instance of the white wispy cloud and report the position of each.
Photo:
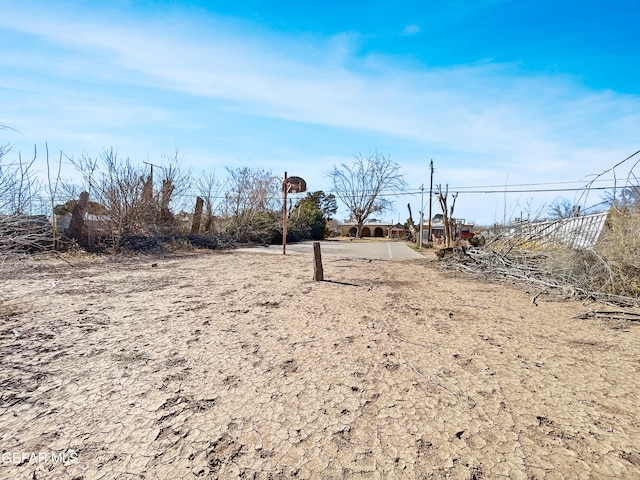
(496, 115)
(481, 105)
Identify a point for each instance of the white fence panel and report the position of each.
(578, 232)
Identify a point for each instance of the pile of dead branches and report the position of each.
(24, 234)
(605, 268)
(165, 242)
(555, 270)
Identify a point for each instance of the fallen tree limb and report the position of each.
(557, 272)
(611, 315)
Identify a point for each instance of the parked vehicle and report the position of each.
(466, 234)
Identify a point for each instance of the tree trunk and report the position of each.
(77, 228)
(197, 216)
(447, 216)
(412, 225)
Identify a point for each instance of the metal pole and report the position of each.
(285, 188)
(421, 214)
(430, 196)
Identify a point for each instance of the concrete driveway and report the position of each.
(372, 249)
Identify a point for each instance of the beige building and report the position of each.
(373, 229)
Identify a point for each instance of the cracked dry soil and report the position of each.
(237, 365)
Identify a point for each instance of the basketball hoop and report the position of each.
(295, 185)
(289, 185)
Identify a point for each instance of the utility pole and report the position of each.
(152, 165)
(151, 174)
(285, 189)
(430, 196)
(147, 191)
(421, 214)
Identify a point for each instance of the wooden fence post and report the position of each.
(318, 272)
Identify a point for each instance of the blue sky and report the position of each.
(495, 92)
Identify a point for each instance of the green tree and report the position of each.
(310, 215)
(326, 203)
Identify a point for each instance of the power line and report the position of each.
(541, 190)
(418, 192)
(501, 191)
(583, 182)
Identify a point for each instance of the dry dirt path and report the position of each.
(373, 249)
(237, 365)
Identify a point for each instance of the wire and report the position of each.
(541, 190)
(418, 192)
(583, 182)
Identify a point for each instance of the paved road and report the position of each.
(374, 249)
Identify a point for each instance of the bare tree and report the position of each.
(626, 199)
(447, 215)
(120, 191)
(175, 181)
(563, 209)
(117, 186)
(21, 198)
(252, 204)
(362, 185)
(52, 190)
(87, 167)
(210, 188)
(413, 228)
(7, 182)
(132, 200)
(20, 189)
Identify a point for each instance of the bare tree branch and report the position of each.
(210, 188)
(447, 214)
(363, 185)
(251, 204)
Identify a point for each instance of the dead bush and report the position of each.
(134, 205)
(608, 272)
(619, 248)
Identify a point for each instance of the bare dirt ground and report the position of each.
(237, 365)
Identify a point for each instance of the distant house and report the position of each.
(389, 230)
(369, 229)
(437, 231)
(397, 231)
